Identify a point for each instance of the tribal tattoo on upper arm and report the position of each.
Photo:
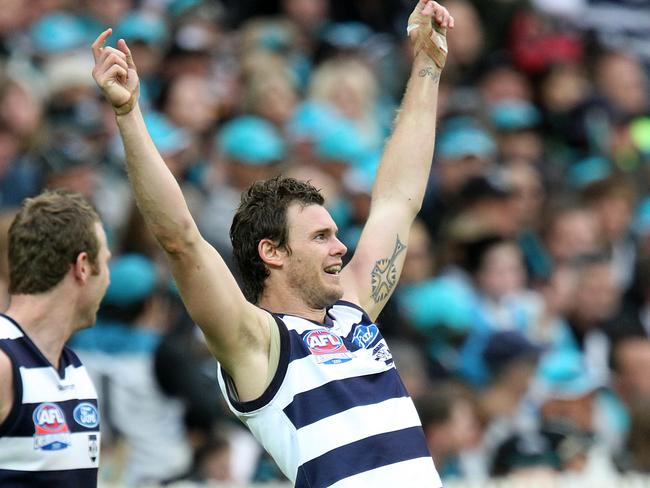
(384, 274)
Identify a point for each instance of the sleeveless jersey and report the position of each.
(336, 413)
(51, 436)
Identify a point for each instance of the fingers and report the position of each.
(98, 45)
(437, 12)
(115, 72)
(111, 56)
(121, 44)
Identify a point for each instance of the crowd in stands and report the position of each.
(521, 324)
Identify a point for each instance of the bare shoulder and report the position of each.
(6, 386)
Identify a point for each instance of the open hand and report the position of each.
(115, 73)
(427, 29)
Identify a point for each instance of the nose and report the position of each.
(339, 249)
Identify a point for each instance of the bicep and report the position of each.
(372, 275)
(232, 325)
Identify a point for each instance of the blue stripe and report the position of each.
(340, 395)
(364, 455)
(77, 478)
(26, 355)
(25, 427)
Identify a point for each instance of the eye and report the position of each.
(320, 236)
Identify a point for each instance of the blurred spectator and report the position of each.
(503, 302)
(450, 426)
(630, 362)
(637, 444)
(248, 149)
(612, 200)
(573, 407)
(569, 230)
(596, 300)
(464, 150)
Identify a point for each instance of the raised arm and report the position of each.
(373, 272)
(238, 332)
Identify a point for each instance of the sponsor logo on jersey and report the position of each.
(365, 335)
(327, 347)
(86, 415)
(93, 447)
(51, 429)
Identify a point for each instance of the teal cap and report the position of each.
(251, 140)
(589, 170)
(58, 32)
(133, 279)
(139, 26)
(311, 119)
(464, 141)
(168, 137)
(513, 115)
(563, 374)
(341, 142)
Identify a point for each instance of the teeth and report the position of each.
(333, 269)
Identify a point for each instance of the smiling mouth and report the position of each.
(333, 270)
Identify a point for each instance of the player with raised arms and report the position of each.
(302, 363)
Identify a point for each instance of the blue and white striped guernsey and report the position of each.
(336, 413)
(51, 437)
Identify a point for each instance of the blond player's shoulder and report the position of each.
(6, 386)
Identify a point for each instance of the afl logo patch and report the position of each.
(327, 347)
(51, 429)
(49, 419)
(86, 415)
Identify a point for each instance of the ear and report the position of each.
(81, 268)
(272, 255)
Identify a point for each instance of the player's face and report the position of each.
(98, 282)
(315, 262)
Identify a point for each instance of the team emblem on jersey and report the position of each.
(51, 429)
(365, 335)
(86, 415)
(382, 353)
(327, 347)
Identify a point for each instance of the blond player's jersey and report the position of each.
(51, 436)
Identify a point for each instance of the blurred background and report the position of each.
(521, 324)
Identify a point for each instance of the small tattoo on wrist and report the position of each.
(429, 71)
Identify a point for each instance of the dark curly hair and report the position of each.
(262, 214)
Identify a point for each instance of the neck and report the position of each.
(48, 319)
(284, 302)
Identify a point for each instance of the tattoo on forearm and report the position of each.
(384, 274)
(429, 71)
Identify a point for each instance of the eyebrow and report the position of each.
(326, 230)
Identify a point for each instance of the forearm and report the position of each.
(157, 193)
(406, 162)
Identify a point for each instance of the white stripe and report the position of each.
(300, 325)
(8, 329)
(331, 432)
(303, 377)
(344, 318)
(44, 385)
(414, 473)
(18, 453)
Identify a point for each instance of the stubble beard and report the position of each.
(313, 292)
